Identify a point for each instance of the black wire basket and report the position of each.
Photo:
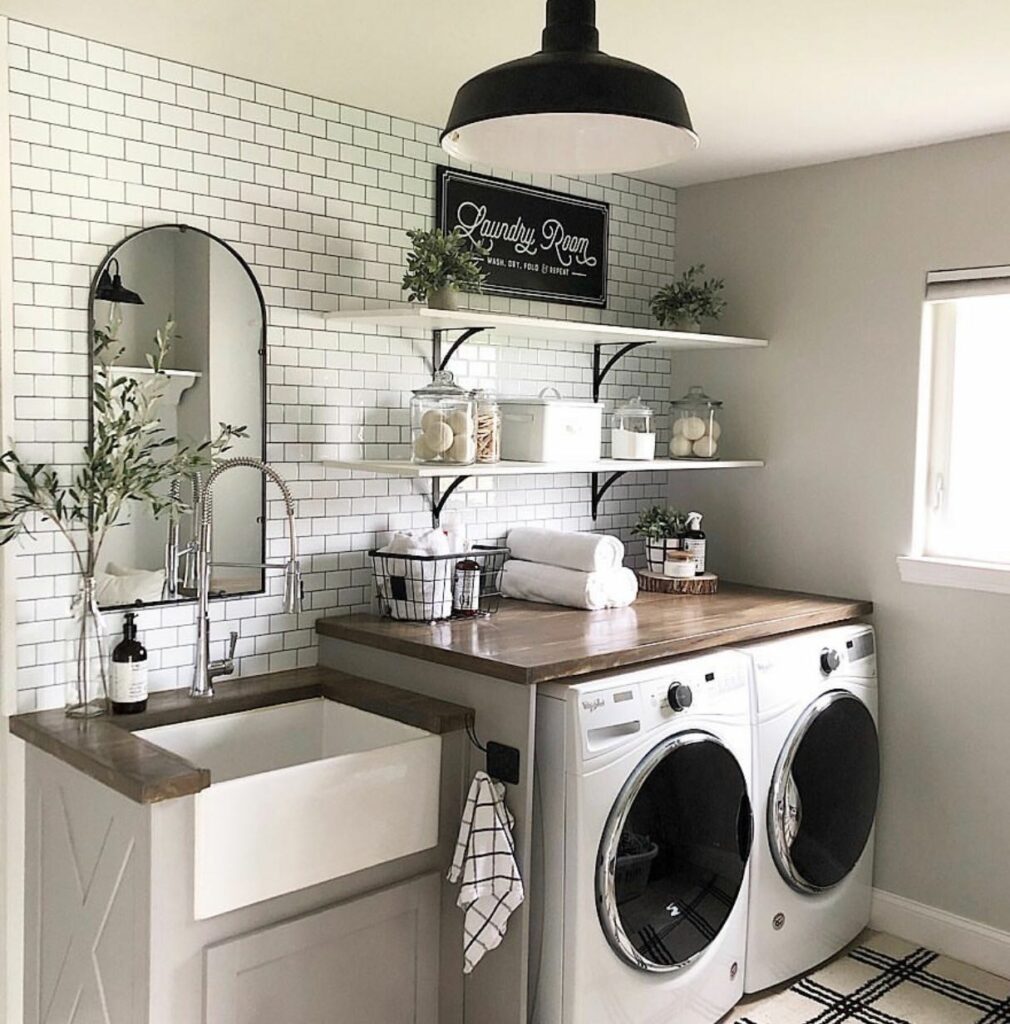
(431, 588)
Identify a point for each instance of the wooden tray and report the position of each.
(654, 583)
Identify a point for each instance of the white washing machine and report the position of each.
(816, 777)
(642, 832)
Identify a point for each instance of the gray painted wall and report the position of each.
(828, 262)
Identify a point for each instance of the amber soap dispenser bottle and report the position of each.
(128, 679)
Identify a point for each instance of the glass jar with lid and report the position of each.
(488, 427)
(633, 435)
(697, 431)
(443, 422)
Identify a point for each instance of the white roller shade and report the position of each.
(945, 285)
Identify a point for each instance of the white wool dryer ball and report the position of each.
(705, 447)
(679, 446)
(678, 425)
(422, 451)
(438, 436)
(459, 422)
(430, 419)
(716, 430)
(462, 450)
(694, 428)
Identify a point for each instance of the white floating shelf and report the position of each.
(420, 318)
(146, 371)
(427, 471)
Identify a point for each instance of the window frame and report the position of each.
(924, 564)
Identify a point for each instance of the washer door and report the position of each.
(823, 795)
(674, 852)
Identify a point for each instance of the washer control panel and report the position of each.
(690, 687)
(609, 712)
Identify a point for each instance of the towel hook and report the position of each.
(502, 762)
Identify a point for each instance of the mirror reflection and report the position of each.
(180, 283)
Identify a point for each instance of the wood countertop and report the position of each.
(531, 643)
(105, 748)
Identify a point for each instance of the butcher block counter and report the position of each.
(530, 643)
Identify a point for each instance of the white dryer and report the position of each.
(642, 833)
(816, 777)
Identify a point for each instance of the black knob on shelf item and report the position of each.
(679, 695)
(830, 660)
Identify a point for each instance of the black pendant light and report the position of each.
(569, 109)
(110, 287)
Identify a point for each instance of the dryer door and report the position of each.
(823, 795)
(673, 853)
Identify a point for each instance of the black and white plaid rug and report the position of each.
(885, 980)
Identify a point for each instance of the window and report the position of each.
(961, 533)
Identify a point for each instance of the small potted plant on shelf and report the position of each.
(685, 302)
(440, 265)
(662, 529)
(130, 458)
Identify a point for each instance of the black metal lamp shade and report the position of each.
(110, 287)
(569, 108)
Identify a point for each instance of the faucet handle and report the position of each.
(232, 641)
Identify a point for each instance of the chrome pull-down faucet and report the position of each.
(180, 568)
(205, 671)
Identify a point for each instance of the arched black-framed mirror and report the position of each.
(215, 373)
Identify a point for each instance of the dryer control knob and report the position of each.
(830, 660)
(680, 696)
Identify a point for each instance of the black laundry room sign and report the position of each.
(542, 244)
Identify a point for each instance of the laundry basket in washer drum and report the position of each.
(635, 855)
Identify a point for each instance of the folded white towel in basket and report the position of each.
(528, 581)
(586, 552)
(416, 591)
(485, 863)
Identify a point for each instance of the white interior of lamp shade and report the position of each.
(570, 143)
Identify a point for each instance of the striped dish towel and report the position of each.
(485, 863)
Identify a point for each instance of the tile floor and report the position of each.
(884, 980)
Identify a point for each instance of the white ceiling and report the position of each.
(770, 83)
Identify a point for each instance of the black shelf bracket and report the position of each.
(599, 491)
(440, 362)
(600, 375)
(440, 497)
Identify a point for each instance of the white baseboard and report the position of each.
(959, 937)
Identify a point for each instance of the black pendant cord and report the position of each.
(600, 375)
(440, 362)
(600, 491)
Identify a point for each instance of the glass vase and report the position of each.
(87, 684)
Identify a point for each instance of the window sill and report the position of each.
(951, 572)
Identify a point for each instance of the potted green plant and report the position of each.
(439, 265)
(129, 459)
(685, 302)
(661, 527)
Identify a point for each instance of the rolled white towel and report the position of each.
(528, 581)
(418, 542)
(585, 552)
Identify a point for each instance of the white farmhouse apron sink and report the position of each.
(301, 793)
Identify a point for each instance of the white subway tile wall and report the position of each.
(317, 197)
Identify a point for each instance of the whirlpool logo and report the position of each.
(594, 704)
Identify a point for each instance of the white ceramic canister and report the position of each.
(550, 428)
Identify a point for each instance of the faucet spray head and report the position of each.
(292, 587)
